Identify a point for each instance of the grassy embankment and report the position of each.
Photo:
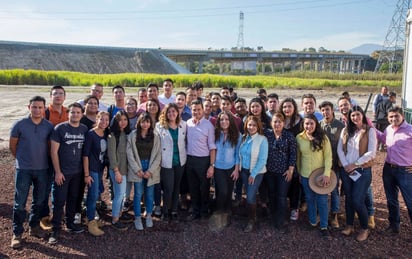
(295, 80)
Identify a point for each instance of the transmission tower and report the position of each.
(394, 44)
(240, 41)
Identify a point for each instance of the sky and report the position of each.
(272, 24)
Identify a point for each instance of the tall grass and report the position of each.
(293, 80)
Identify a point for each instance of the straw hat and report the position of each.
(315, 181)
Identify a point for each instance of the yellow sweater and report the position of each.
(309, 160)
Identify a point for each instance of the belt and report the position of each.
(398, 166)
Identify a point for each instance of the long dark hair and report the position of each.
(318, 135)
(295, 116)
(145, 116)
(233, 131)
(352, 128)
(262, 116)
(158, 107)
(115, 129)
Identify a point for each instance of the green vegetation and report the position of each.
(312, 80)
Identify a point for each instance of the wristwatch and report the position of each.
(212, 165)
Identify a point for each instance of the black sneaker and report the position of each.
(324, 233)
(126, 218)
(193, 217)
(73, 228)
(392, 230)
(119, 226)
(53, 237)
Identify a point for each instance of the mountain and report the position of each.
(366, 49)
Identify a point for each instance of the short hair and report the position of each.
(97, 84)
(181, 93)
(37, 98)
(198, 85)
(75, 105)
(345, 93)
(227, 98)
(152, 85)
(261, 91)
(168, 80)
(215, 93)
(190, 88)
(224, 88)
(326, 103)
(240, 100)
(142, 89)
(273, 95)
(88, 97)
(343, 97)
(392, 94)
(396, 108)
(55, 87)
(196, 102)
(310, 96)
(118, 87)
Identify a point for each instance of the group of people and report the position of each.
(172, 146)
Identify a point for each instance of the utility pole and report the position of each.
(394, 44)
(240, 41)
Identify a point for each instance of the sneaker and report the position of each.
(138, 223)
(96, 215)
(37, 232)
(324, 233)
(16, 242)
(119, 226)
(294, 215)
(53, 237)
(126, 218)
(149, 221)
(73, 228)
(392, 230)
(157, 211)
(77, 218)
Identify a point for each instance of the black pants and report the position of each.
(224, 188)
(278, 191)
(65, 194)
(171, 178)
(199, 184)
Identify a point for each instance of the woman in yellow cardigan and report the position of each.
(314, 151)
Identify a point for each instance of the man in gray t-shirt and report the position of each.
(29, 138)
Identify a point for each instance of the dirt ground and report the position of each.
(194, 240)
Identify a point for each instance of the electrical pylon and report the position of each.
(240, 41)
(394, 44)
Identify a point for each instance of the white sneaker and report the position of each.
(77, 218)
(138, 223)
(149, 221)
(96, 216)
(294, 215)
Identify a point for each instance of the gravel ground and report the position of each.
(195, 240)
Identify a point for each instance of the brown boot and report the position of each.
(94, 228)
(348, 230)
(45, 223)
(363, 235)
(371, 222)
(252, 218)
(334, 223)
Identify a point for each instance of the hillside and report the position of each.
(89, 59)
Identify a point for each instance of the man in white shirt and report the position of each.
(167, 96)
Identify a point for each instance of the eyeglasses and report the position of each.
(57, 94)
(130, 104)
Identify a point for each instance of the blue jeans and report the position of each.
(119, 190)
(45, 212)
(369, 201)
(23, 180)
(141, 188)
(316, 202)
(251, 189)
(278, 193)
(355, 196)
(395, 179)
(93, 194)
(334, 196)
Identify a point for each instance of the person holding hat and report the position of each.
(356, 151)
(314, 152)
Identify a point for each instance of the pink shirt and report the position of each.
(200, 138)
(398, 144)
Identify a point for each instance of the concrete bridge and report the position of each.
(334, 62)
